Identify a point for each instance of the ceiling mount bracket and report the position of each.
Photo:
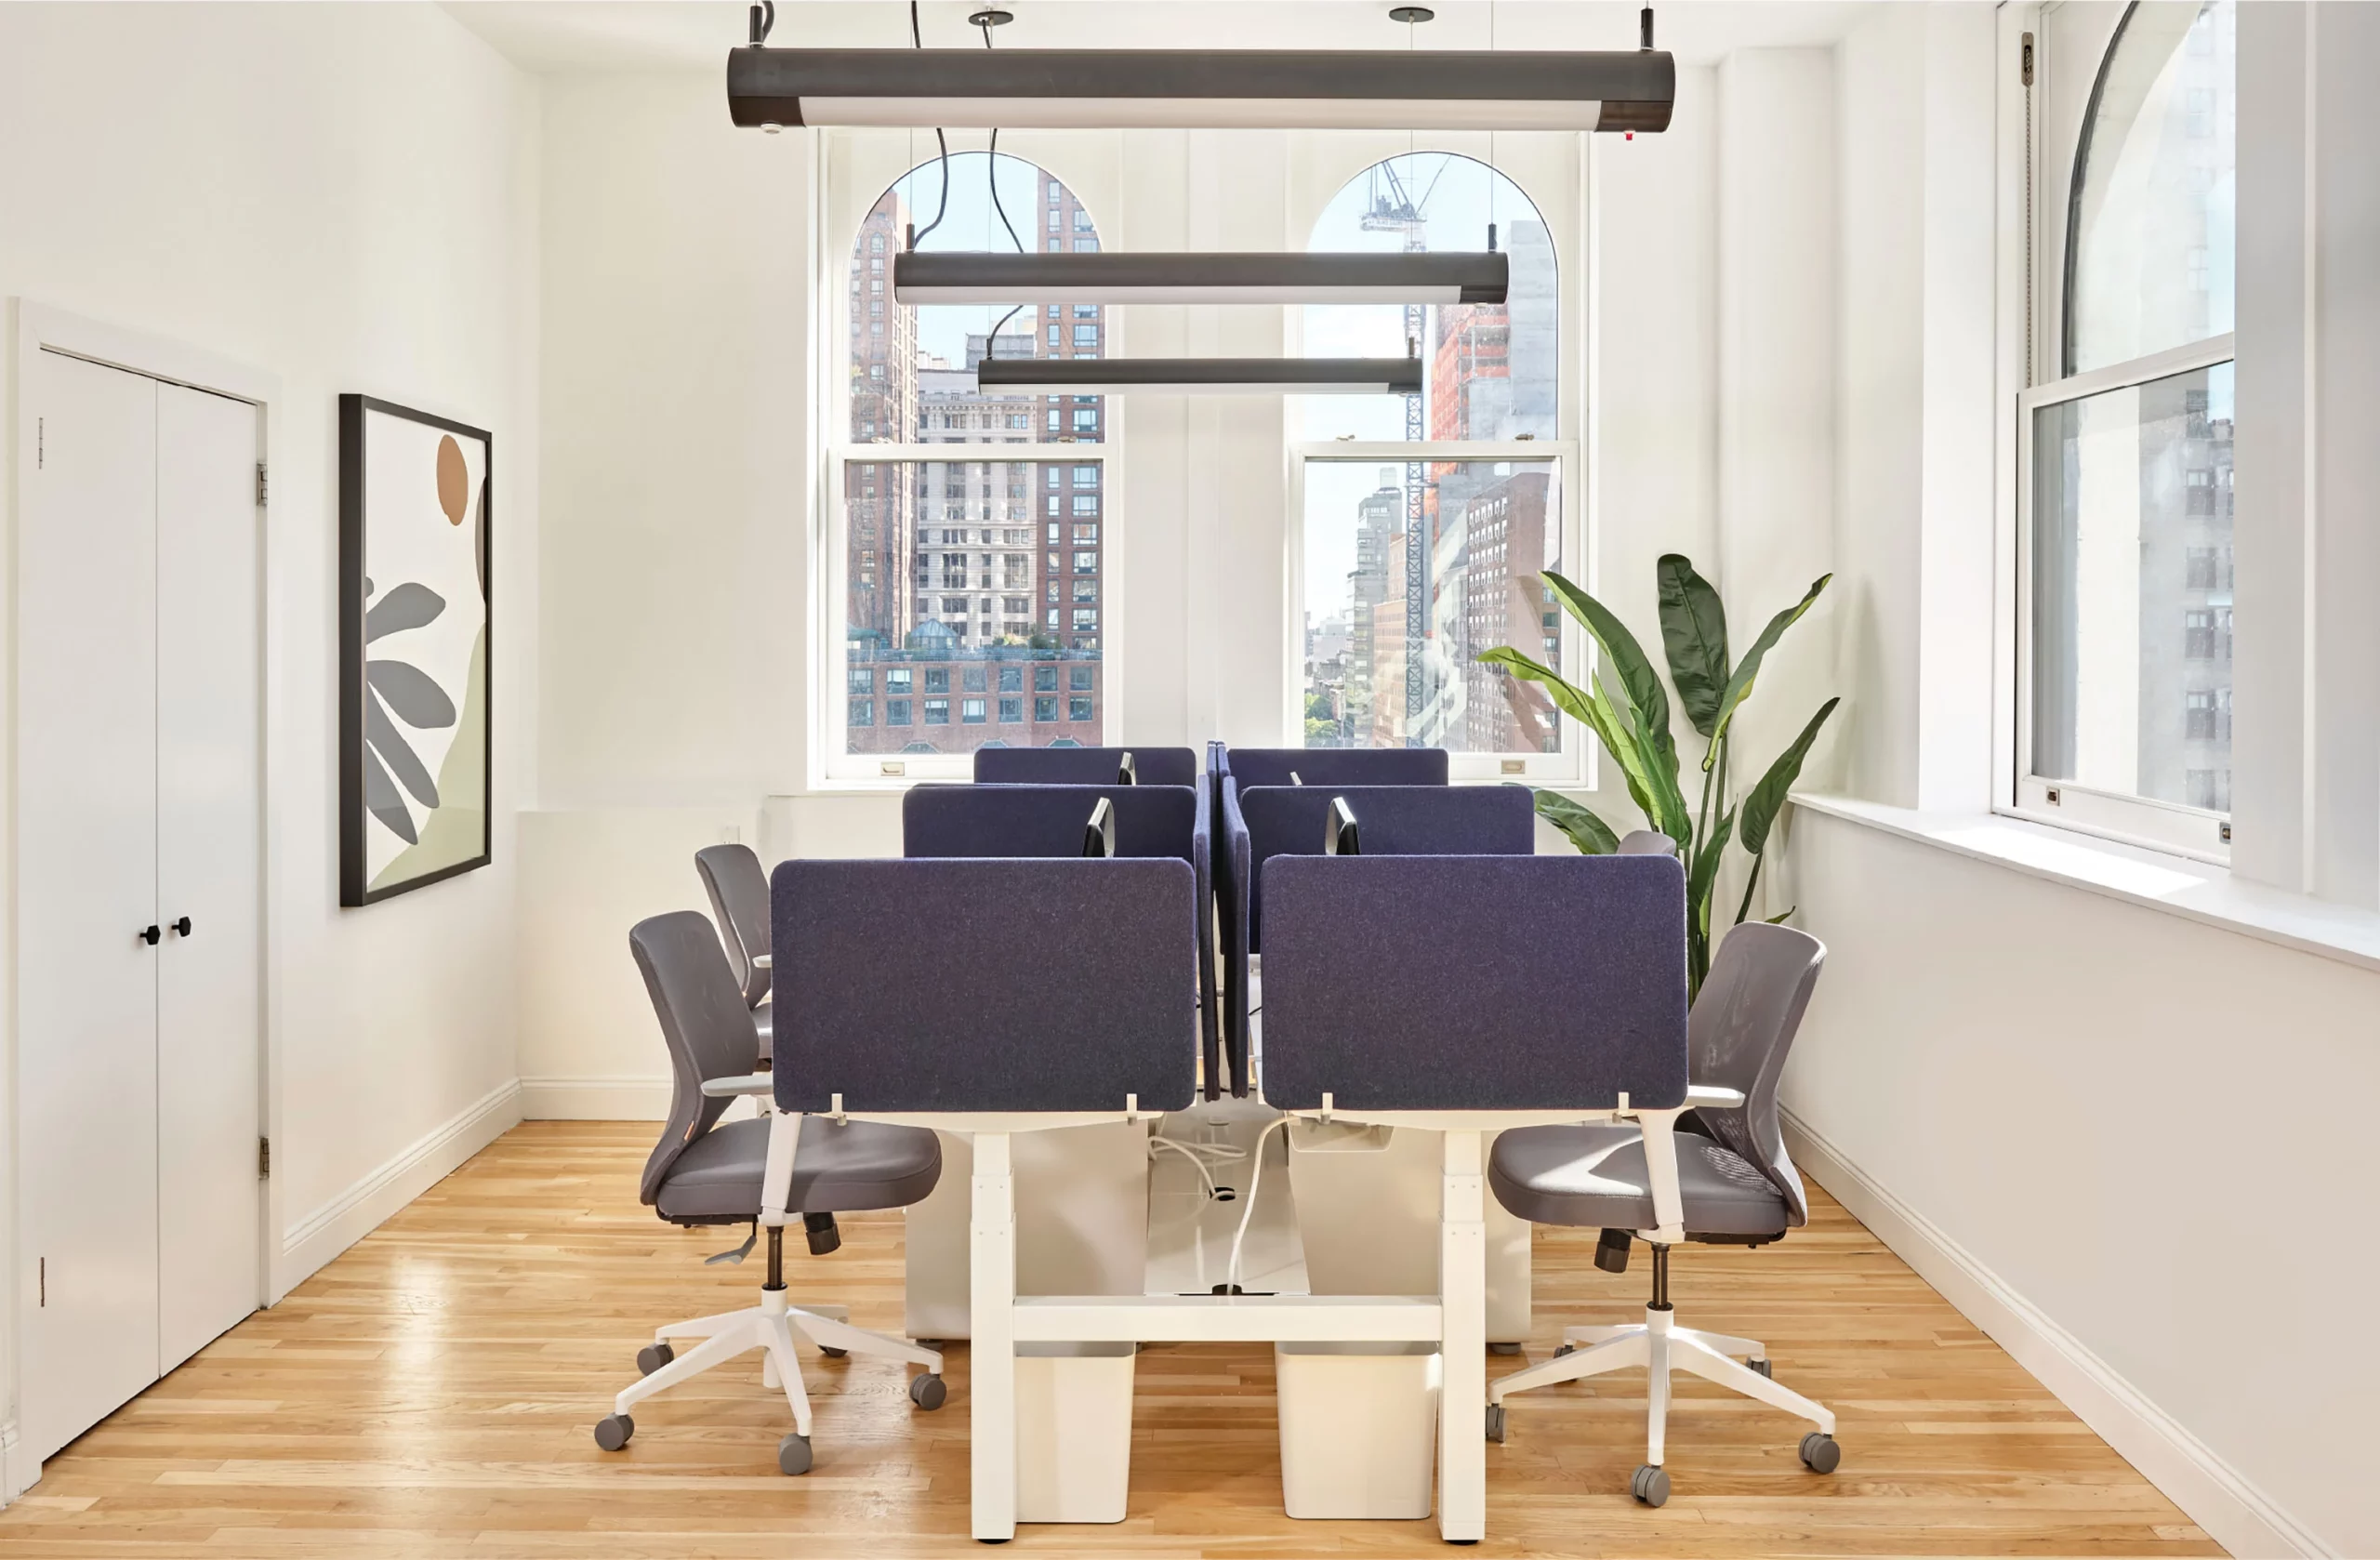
(992, 17)
(1411, 14)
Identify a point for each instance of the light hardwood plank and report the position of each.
(429, 1396)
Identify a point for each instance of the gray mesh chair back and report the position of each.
(1743, 1023)
(704, 1021)
(740, 897)
(1646, 842)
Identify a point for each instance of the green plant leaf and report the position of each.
(1590, 834)
(1651, 786)
(1703, 875)
(1761, 807)
(1648, 703)
(1694, 632)
(1739, 680)
(1782, 915)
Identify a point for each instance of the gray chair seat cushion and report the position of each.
(1595, 1176)
(838, 1169)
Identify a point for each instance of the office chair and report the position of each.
(703, 1173)
(1646, 843)
(1738, 1186)
(739, 899)
(1341, 836)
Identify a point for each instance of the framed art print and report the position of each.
(414, 494)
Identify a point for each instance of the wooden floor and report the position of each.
(430, 1393)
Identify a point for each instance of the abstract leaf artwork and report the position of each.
(413, 622)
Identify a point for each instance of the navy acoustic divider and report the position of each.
(1394, 820)
(985, 985)
(1011, 820)
(1339, 766)
(1474, 982)
(1083, 766)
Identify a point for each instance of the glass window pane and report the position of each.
(1489, 371)
(1411, 572)
(2149, 249)
(912, 373)
(954, 645)
(2132, 590)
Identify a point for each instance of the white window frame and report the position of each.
(1568, 768)
(2168, 827)
(840, 213)
(2136, 820)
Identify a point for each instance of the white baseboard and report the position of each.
(16, 1477)
(595, 1099)
(2234, 1513)
(412, 1171)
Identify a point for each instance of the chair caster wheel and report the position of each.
(612, 1432)
(1503, 1348)
(652, 1356)
(928, 1392)
(793, 1455)
(1819, 1453)
(1762, 1367)
(832, 1353)
(1650, 1486)
(1496, 1422)
(1566, 1349)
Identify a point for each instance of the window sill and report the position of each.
(2176, 885)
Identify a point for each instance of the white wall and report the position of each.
(342, 197)
(2147, 1134)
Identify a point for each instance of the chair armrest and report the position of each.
(1712, 1096)
(764, 961)
(728, 1087)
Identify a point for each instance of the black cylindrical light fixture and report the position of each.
(1279, 89)
(1202, 376)
(1113, 276)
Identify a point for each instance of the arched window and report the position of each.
(1414, 559)
(974, 587)
(2125, 644)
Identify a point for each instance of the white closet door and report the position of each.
(87, 855)
(208, 824)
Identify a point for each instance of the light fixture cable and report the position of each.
(942, 207)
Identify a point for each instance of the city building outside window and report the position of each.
(2124, 492)
(917, 410)
(1424, 522)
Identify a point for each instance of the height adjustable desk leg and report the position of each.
(991, 1351)
(1462, 1299)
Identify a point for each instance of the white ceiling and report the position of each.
(563, 36)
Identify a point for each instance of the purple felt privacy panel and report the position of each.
(1391, 820)
(1083, 766)
(985, 985)
(1474, 982)
(1018, 820)
(1339, 766)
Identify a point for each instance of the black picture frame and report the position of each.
(355, 695)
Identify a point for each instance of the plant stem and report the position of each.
(1745, 909)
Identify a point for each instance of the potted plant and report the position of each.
(1629, 711)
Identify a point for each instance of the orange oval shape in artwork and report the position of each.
(453, 480)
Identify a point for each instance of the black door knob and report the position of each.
(150, 935)
(181, 927)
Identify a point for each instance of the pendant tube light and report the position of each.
(1202, 376)
(1278, 89)
(1113, 276)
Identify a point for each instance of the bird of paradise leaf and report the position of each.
(416, 700)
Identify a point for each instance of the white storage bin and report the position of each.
(1074, 1431)
(1359, 1428)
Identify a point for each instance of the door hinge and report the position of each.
(2027, 58)
(40, 443)
(264, 1157)
(260, 485)
(44, 1283)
